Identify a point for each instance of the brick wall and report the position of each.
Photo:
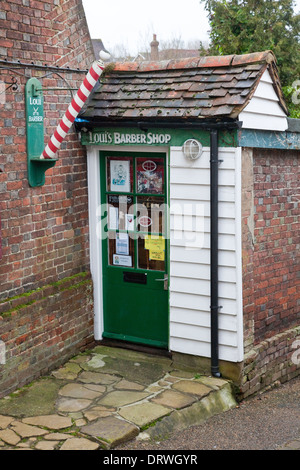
(271, 261)
(44, 229)
(41, 329)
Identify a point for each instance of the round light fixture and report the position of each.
(192, 149)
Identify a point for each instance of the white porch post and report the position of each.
(94, 195)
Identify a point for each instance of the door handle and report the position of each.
(165, 281)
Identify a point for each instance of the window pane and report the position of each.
(120, 212)
(120, 250)
(119, 173)
(151, 214)
(151, 253)
(150, 175)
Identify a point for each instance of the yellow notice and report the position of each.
(157, 255)
(156, 246)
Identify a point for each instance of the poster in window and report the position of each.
(120, 176)
(129, 222)
(150, 176)
(113, 218)
(121, 260)
(122, 244)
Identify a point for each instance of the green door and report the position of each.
(134, 247)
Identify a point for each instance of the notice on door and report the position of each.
(122, 260)
(156, 247)
(156, 255)
(122, 244)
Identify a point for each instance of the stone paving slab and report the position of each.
(97, 378)
(126, 385)
(56, 436)
(212, 382)
(51, 421)
(75, 390)
(111, 431)
(5, 421)
(72, 404)
(122, 397)
(144, 413)
(76, 443)
(26, 430)
(108, 396)
(69, 372)
(192, 387)
(98, 412)
(8, 436)
(46, 445)
(173, 399)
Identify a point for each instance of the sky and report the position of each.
(131, 23)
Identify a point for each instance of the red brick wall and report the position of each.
(44, 229)
(271, 261)
(277, 242)
(43, 328)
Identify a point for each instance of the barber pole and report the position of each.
(74, 108)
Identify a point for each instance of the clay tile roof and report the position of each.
(184, 89)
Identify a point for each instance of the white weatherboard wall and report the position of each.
(190, 254)
(264, 112)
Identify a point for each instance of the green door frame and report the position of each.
(160, 343)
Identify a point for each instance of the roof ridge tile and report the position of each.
(196, 62)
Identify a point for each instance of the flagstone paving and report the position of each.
(51, 422)
(143, 413)
(105, 397)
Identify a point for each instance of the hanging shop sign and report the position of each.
(34, 103)
(34, 117)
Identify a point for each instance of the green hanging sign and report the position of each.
(34, 102)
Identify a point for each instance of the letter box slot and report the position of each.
(136, 278)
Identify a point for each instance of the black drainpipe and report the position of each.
(214, 247)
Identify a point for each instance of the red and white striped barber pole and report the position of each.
(76, 105)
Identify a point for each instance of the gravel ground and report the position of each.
(263, 422)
